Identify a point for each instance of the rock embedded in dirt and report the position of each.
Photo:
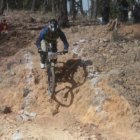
(12, 73)
(33, 114)
(26, 91)
(17, 136)
(5, 109)
(82, 40)
(24, 117)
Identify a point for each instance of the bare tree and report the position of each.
(57, 5)
(94, 6)
(81, 7)
(44, 6)
(72, 9)
(3, 6)
(53, 7)
(33, 5)
(63, 17)
(95, 9)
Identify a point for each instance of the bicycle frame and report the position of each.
(51, 60)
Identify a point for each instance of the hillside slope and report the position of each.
(98, 84)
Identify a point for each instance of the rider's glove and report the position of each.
(39, 50)
(65, 50)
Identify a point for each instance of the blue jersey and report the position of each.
(50, 37)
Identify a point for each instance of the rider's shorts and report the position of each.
(44, 45)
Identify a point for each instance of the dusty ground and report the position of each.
(98, 84)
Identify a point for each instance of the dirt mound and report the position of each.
(97, 84)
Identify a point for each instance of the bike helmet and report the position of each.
(53, 25)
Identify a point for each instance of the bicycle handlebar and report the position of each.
(60, 53)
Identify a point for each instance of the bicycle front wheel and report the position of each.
(51, 81)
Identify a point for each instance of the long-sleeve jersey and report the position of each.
(50, 37)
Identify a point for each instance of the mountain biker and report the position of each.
(3, 26)
(50, 35)
(0, 27)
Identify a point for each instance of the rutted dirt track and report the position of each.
(98, 84)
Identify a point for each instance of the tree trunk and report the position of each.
(7, 5)
(72, 9)
(53, 7)
(63, 17)
(3, 6)
(33, 5)
(92, 8)
(81, 7)
(44, 6)
(95, 9)
(57, 6)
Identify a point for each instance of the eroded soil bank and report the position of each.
(98, 84)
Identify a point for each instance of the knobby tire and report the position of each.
(51, 81)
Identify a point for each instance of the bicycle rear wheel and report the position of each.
(51, 80)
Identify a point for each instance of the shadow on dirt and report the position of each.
(73, 72)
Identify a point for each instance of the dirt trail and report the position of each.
(33, 131)
(95, 96)
(21, 123)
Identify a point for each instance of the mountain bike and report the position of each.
(51, 62)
